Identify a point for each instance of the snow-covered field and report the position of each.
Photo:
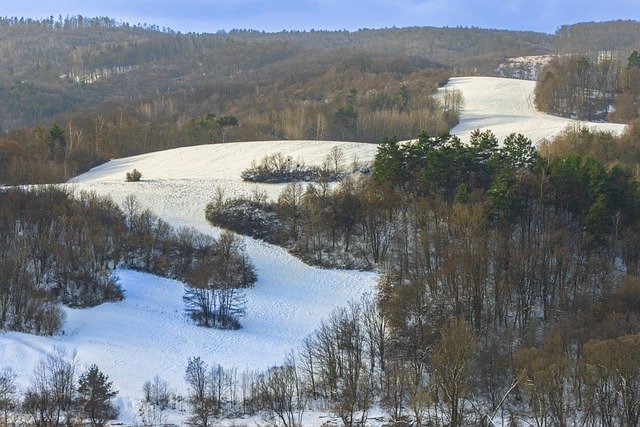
(506, 106)
(148, 334)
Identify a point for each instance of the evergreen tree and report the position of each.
(387, 165)
(95, 391)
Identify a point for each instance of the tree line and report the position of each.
(608, 149)
(588, 38)
(595, 73)
(353, 365)
(57, 249)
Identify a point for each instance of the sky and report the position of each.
(210, 16)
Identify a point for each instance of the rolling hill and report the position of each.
(148, 333)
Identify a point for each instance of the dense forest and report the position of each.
(509, 280)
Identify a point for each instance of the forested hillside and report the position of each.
(467, 50)
(509, 280)
(91, 89)
(60, 65)
(341, 101)
(589, 38)
(101, 90)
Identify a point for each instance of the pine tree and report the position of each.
(95, 391)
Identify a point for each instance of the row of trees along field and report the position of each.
(352, 366)
(509, 280)
(57, 248)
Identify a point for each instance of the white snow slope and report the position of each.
(148, 334)
(506, 106)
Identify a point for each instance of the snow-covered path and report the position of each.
(506, 106)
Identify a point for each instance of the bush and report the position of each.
(133, 176)
(45, 318)
(278, 168)
(248, 217)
